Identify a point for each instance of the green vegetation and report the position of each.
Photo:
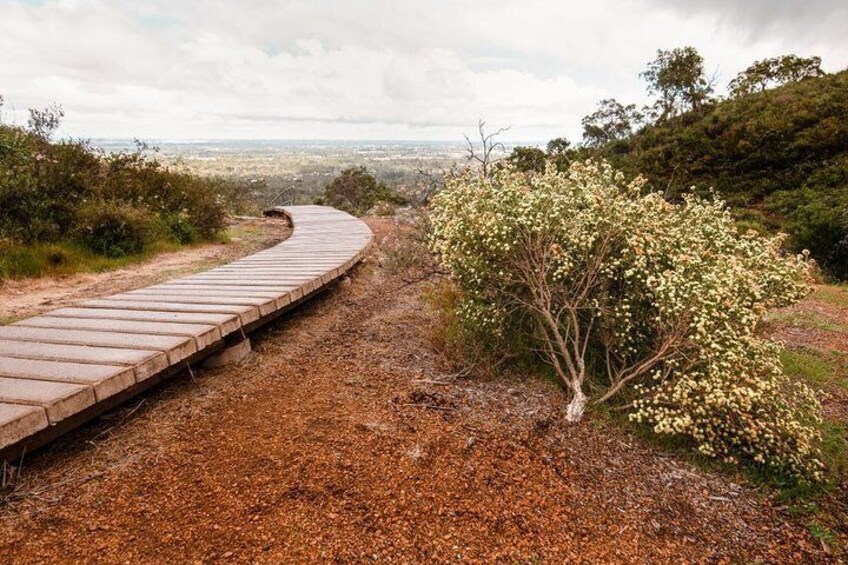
(776, 71)
(825, 370)
(780, 154)
(807, 320)
(68, 207)
(822, 533)
(66, 258)
(611, 122)
(677, 78)
(832, 294)
(356, 191)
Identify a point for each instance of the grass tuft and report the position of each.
(818, 368)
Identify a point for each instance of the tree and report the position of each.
(677, 76)
(356, 191)
(488, 145)
(43, 123)
(528, 159)
(775, 71)
(562, 154)
(610, 122)
(558, 146)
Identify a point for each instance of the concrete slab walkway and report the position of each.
(62, 368)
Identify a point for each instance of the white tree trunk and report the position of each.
(574, 411)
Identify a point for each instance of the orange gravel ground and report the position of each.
(334, 443)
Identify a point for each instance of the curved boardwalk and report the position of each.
(64, 367)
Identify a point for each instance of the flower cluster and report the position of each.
(661, 299)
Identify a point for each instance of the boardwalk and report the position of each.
(60, 369)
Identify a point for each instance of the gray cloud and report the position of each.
(758, 19)
(370, 68)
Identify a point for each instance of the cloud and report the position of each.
(766, 28)
(370, 68)
(761, 17)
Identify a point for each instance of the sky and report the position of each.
(373, 69)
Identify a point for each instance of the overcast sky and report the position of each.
(373, 69)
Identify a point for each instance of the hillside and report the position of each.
(779, 157)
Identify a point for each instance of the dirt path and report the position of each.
(820, 321)
(332, 443)
(29, 297)
(818, 328)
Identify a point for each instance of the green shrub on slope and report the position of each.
(782, 152)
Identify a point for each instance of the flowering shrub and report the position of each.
(626, 292)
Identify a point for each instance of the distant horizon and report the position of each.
(291, 140)
(459, 142)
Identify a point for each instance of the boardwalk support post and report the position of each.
(231, 355)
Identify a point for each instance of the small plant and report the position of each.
(181, 228)
(384, 209)
(114, 229)
(406, 252)
(624, 294)
(822, 533)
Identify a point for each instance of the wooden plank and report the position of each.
(264, 305)
(308, 264)
(228, 289)
(268, 302)
(176, 348)
(246, 313)
(291, 254)
(244, 281)
(279, 278)
(286, 264)
(18, 422)
(145, 363)
(267, 273)
(59, 400)
(210, 290)
(106, 380)
(203, 334)
(227, 323)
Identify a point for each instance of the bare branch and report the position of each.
(488, 146)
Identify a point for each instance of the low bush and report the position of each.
(181, 228)
(626, 295)
(817, 218)
(406, 251)
(115, 229)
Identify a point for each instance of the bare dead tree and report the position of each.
(488, 146)
(433, 181)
